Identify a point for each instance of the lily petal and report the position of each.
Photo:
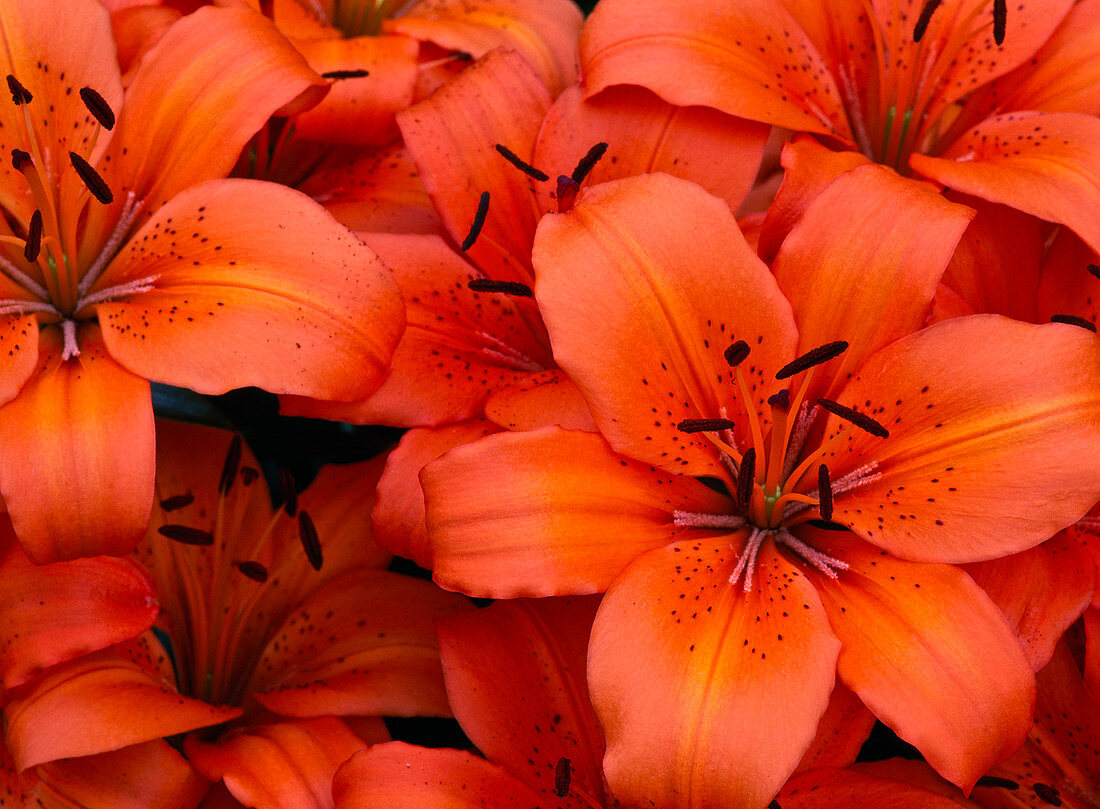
(994, 427)
(403, 776)
(648, 350)
(931, 655)
(264, 310)
(828, 788)
(64, 487)
(539, 400)
(516, 678)
(528, 514)
(841, 733)
(733, 683)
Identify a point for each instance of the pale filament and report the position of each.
(68, 331)
(853, 480)
(24, 280)
(130, 210)
(746, 562)
(828, 565)
(698, 519)
(120, 290)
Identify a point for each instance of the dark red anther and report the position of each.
(1000, 20)
(588, 162)
(186, 534)
(811, 358)
(566, 194)
(1047, 794)
(248, 475)
(177, 501)
(253, 570)
(774, 805)
(861, 420)
(34, 237)
(339, 75)
(478, 223)
(99, 108)
(1074, 320)
(1094, 270)
(91, 178)
(704, 425)
(19, 93)
(505, 287)
(521, 164)
(563, 777)
(746, 475)
(289, 491)
(229, 468)
(307, 533)
(737, 353)
(824, 493)
(995, 781)
(20, 159)
(781, 400)
(925, 17)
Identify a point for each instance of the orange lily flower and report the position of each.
(126, 260)
(995, 102)
(731, 607)
(280, 642)
(470, 353)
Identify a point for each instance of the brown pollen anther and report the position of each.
(588, 162)
(289, 492)
(253, 570)
(704, 425)
(1000, 20)
(478, 223)
(1093, 269)
(94, 183)
(177, 501)
(563, 777)
(824, 493)
(99, 108)
(186, 534)
(1074, 320)
(811, 358)
(521, 164)
(925, 17)
(339, 75)
(995, 781)
(307, 534)
(746, 478)
(505, 287)
(736, 353)
(34, 237)
(861, 420)
(229, 468)
(19, 93)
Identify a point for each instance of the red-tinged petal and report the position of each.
(516, 678)
(543, 32)
(402, 776)
(828, 788)
(100, 702)
(645, 134)
(1044, 164)
(136, 29)
(362, 645)
(841, 733)
(1041, 591)
(459, 347)
(640, 311)
(863, 263)
(268, 291)
(808, 168)
(55, 612)
(995, 268)
(359, 110)
(77, 471)
(1066, 287)
(1092, 648)
(289, 765)
(379, 192)
(150, 775)
(398, 516)
(994, 428)
(539, 400)
(931, 655)
(709, 695)
(752, 60)
(206, 87)
(19, 339)
(528, 514)
(451, 137)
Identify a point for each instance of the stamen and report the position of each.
(746, 478)
(925, 17)
(24, 280)
(289, 492)
(588, 162)
(1073, 320)
(1047, 794)
(811, 358)
(34, 237)
(20, 159)
(134, 287)
(737, 353)
(98, 107)
(91, 178)
(861, 420)
(1094, 270)
(505, 287)
(828, 565)
(478, 223)
(1000, 20)
(19, 93)
(774, 805)
(827, 525)
(520, 164)
(699, 519)
(996, 781)
(69, 348)
(307, 533)
(566, 194)
(253, 570)
(177, 501)
(746, 563)
(339, 75)
(563, 776)
(824, 493)
(130, 209)
(186, 534)
(704, 425)
(231, 465)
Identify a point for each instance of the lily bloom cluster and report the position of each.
(746, 358)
